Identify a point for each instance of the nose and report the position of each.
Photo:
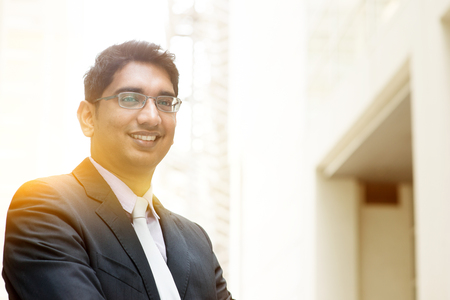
(149, 114)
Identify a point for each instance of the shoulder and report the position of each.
(53, 182)
(40, 210)
(53, 193)
(45, 186)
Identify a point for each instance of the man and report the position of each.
(79, 236)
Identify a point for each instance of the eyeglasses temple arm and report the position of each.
(105, 98)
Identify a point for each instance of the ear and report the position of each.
(85, 114)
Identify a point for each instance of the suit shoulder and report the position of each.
(50, 180)
(45, 188)
(57, 181)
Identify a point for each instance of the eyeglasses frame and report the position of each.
(143, 104)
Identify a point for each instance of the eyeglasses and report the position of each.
(131, 100)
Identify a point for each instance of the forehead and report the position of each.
(139, 75)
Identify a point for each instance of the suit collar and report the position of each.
(112, 213)
(93, 183)
(124, 194)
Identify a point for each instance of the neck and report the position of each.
(138, 184)
(137, 180)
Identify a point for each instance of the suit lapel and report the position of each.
(112, 213)
(176, 247)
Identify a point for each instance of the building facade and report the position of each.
(354, 178)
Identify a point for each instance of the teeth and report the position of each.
(144, 137)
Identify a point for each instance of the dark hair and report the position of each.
(115, 57)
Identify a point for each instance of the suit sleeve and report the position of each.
(44, 254)
(221, 284)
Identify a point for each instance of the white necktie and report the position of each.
(164, 281)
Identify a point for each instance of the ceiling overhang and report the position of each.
(378, 149)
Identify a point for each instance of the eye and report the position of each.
(129, 99)
(166, 101)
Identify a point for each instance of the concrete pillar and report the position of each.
(337, 254)
(430, 85)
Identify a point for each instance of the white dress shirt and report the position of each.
(127, 199)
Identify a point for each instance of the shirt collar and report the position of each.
(123, 193)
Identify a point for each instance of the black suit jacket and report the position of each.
(68, 237)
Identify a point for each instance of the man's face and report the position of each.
(120, 140)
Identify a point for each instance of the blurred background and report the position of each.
(313, 143)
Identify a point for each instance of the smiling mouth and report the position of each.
(143, 137)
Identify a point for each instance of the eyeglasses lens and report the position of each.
(136, 101)
(167, 103)
(131, 100)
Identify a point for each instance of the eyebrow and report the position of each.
(141, 91)
(129, 89)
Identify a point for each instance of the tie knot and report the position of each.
(140, 208)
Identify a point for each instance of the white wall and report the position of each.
(267, 67)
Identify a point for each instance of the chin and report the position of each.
(144, 163)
